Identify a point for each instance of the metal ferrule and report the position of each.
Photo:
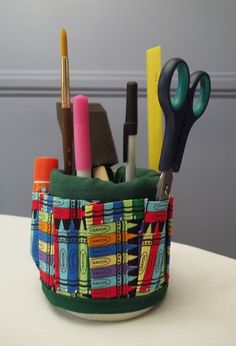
(65, 83)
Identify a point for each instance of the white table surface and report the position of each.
(199, 308)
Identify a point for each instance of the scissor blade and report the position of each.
(164, 185)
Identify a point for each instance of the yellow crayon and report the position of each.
(44, 247)
(83, 273)
(101, 262)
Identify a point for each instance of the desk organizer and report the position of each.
(102, 248)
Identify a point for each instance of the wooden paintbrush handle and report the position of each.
(100, 172)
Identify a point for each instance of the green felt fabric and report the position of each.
(104, 306)
(68, 186)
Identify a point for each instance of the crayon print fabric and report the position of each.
(42, 238)
(101, 250)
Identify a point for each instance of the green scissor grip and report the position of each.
(204, 93)
(182, 87)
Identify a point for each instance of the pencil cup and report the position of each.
(102, 248)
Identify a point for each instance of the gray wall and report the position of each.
(107, 43)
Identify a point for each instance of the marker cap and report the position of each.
(43, 167)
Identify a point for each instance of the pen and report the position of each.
(130, 130)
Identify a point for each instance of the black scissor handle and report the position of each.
(172, 108)
(202, 79)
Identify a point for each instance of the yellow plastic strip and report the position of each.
(155, 137)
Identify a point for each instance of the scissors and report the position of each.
(180, 114)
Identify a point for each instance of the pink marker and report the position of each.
(81, 136)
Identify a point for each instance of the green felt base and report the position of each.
(104, 306)
(144, 185)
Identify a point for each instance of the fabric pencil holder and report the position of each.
(102, 247)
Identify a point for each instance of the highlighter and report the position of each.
(82, 148)
(42, 170)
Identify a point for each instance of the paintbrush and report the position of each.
(64, 113)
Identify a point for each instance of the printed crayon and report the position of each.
(44, 247)
(83, 260)
(107, 250)
(117, 211)
(133, 209)
(105, 293)
(112, 227)
(152, 206)
(46, 257)
(34, 236)
(72, 258)
(145, 251)
(44, 267)
(155, 283)
(63, 257)
(151, 261)
(47, 279)
(102, 262)
(56, 256)
(46, 237)
(97, 273)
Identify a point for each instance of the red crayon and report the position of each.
(110, 292)
(151, 261)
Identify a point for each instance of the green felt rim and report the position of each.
(104, 306)
(73, 187)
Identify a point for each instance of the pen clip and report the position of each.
(130, 129)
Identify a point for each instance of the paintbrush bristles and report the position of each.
(64, 51)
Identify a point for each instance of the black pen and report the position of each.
(130, 130)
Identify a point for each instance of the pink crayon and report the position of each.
(81, 136)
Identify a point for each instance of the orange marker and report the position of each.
(42, 170)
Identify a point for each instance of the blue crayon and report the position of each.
(102, 251)
(47, 203)
(72, 259)
(132, 278)
(128, 246)
(104, 283)
(34, 241)
(118, 210)
(35, 196)
(46, 268)
(46, 237)
(63, 258)
(61, 203)
(112, 249)
(108, 212)
(151, 206)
